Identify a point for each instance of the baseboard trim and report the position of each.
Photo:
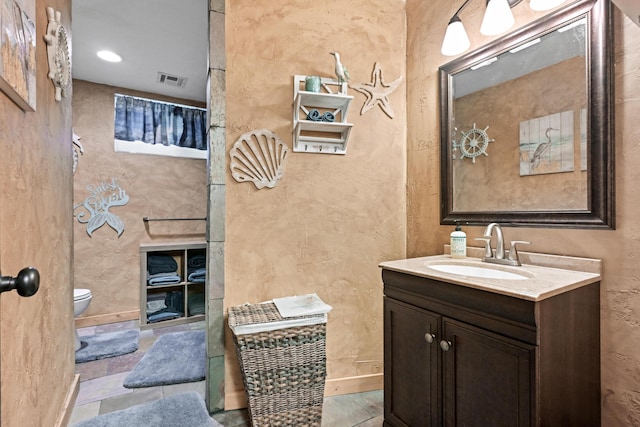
(359, 384)
(237, 399)
(103, 319)
(69, 403)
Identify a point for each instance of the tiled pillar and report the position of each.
(216, 208)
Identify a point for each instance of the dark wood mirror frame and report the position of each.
(601, 180)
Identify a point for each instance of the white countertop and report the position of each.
(541, 282)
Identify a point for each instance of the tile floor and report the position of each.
(101, 389)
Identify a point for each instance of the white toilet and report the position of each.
(81, 300)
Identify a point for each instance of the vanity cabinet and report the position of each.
(175, 297)
(460, 356)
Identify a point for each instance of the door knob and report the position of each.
(26, 282)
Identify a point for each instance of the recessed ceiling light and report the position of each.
(109, 56)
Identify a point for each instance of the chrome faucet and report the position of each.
(488, 232)
(498, 258)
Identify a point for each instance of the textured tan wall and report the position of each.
(157, 186)
(36, 333)
(493, 182)
(329, 222)
(618, 249)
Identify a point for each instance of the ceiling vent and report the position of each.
(171, 80)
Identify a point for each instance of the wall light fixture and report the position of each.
(497, 19)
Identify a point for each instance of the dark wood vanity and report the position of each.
(462, 356)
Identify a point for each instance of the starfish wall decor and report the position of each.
(377, 92)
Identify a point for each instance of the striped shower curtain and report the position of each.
(138, 119)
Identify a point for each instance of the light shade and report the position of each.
(455, 40)
(497, 19)
(544, 4)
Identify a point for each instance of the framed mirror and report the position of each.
(526, 125)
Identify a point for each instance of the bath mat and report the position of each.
(174, 358)
(109, 344)
(184, 409)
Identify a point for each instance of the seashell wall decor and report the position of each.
(258, 156)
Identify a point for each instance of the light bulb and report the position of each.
(455, 40)
(497, 18)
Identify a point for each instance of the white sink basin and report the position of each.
(474, 271)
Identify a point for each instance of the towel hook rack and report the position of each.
(146, 219)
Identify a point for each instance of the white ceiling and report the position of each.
(151, 36)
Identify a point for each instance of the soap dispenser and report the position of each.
(458, 243)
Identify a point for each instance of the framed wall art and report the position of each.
(546, 144)
(18, 52)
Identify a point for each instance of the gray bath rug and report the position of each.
(174, 358)
(180, 410)
(110, 344)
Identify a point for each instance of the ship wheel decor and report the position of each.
(473, 143)
(58, 54)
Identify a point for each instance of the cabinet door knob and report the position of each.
(445, 345)
(429, 337)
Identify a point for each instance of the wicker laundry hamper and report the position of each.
(283, 369)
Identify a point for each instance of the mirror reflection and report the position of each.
(526, 125)
(519, 140)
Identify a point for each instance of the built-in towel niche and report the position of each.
(149, 126)
(172, 283)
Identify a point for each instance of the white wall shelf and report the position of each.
(310, 136)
